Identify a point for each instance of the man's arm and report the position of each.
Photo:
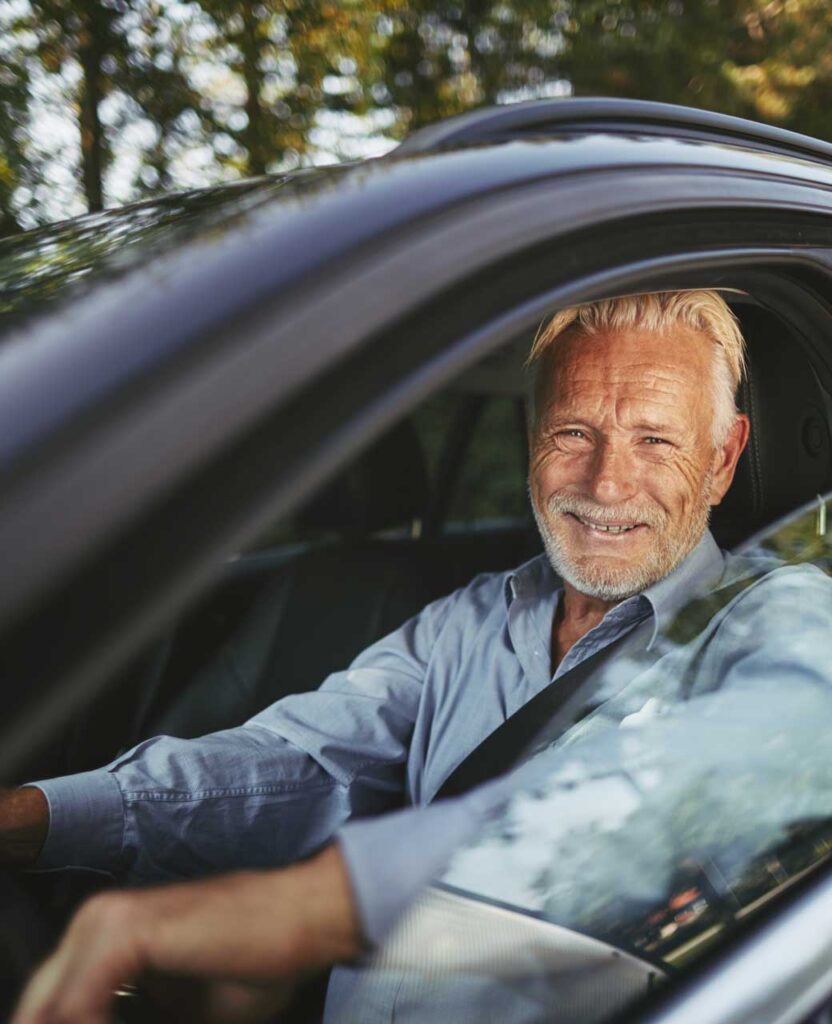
(235, 945)
(24, 823)
(264, 794)
(241, 941)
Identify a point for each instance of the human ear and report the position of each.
(726, 456)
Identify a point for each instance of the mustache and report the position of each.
(649, 515)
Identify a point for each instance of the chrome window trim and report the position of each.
(779, 974)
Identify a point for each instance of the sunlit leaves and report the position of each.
(103, 100)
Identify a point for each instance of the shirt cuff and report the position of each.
(86, 821)
(390, 859)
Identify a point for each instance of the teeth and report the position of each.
(602, 528)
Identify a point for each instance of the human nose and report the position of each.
(613, 474)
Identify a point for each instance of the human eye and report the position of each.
(572, 439)
(656, 446)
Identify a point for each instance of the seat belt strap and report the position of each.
(567, 699)
(546, 716)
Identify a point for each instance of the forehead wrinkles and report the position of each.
(630, 386)
(638, 367)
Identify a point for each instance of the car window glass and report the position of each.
(491, 488)
(351, 563)
(465, 456)
(692, 791)
(474, 440)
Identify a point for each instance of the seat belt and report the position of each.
(558, 706)
(566, 700)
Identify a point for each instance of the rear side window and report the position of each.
(475, 448)
(492, 484)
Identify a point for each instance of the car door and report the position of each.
(246, 399)
(273, 354)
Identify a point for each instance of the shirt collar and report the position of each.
(536, 581)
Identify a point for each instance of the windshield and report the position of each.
(691, 787)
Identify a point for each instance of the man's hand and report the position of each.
(237, 943)
(24, 822)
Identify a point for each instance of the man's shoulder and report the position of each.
(766, 572)
(757, 592)
(787, 589)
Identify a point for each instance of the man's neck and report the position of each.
(576, 615)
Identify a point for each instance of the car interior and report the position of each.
(437, 499)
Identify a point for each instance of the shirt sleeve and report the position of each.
(390, 859)
(266, 793)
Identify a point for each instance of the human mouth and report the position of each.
(612, 528)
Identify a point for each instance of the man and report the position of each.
(634, 435)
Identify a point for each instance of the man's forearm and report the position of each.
(241, 940)
(24, 822)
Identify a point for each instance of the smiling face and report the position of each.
(623, 467)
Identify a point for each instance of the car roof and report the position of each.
(610, 115)
(275, 235)
(583, 132)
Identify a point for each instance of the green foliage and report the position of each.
(167, 94)
(770, 60)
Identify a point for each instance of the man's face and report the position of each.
(623, 467)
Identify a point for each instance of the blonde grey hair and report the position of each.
(704, 311)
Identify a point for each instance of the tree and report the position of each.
(445, 57)
(105, 66)
(285, 62)
(167, 94)
(769, 60)
(16, 172)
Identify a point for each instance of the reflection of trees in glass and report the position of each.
(41, 266)
(663, 875)
(699, 789)
(800, 541)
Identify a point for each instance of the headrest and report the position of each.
(789, 456)
(385, 487)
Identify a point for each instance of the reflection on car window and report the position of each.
(62, 261)
(694, 788)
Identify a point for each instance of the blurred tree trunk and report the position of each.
(93, 31)
(16, 167)
(254, 137)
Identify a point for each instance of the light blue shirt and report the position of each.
(382, 734)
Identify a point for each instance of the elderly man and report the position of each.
(634, 435)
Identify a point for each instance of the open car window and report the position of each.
(694, 791)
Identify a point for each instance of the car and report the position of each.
(236, 421)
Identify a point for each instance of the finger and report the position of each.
(78, 982)
(40, 1005)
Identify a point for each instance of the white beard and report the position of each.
(617, 582)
